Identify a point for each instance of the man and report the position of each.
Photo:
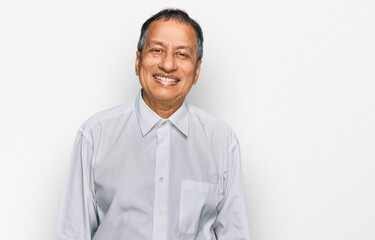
(157, 168)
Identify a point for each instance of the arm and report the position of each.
(232, 221)
(77, 220)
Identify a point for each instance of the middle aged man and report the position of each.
(157, 168)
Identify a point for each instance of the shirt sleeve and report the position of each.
(232, 221)
(77, 220)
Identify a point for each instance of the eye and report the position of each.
(156, 50)
(182, 54)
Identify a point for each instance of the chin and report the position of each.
(165, 98)
(164, 94)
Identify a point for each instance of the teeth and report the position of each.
(166, 79)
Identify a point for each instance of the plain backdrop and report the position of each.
(295, 80)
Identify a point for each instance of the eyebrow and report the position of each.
(154, 42)
(185, 48)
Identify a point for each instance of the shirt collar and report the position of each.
(147, 118)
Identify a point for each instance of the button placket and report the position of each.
(160, 218)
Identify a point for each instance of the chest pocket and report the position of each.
(198, 202)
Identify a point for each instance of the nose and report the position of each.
(167, 63)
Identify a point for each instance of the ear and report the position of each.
(137, 61)
(197, 70)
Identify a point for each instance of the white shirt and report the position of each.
(136, 176)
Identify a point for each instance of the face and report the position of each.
(168, 66)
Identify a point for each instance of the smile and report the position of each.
(165, 79)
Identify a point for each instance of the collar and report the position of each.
(147, 118)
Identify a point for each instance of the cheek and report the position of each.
(186, 67)
(149, 61)
(191, 74)
(145, 70)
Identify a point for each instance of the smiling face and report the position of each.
(168, 66)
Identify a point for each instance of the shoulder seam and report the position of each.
(207, 115)
(94, 119)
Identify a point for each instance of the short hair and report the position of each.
(178, 15)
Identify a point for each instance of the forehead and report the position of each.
(172, 32)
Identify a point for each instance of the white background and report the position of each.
(295, 80)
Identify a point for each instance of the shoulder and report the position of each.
(108, 115)
(206, 117)
(212, 125)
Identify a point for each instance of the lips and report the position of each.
(166, 79)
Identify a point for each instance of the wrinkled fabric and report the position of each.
(134, 175)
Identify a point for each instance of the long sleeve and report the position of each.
(77, 220)
(232, 221)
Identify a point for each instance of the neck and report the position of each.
(164, 110)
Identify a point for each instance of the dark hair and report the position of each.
(178, 15)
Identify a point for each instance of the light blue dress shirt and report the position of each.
(136, 176)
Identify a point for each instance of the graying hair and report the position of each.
(178, 15)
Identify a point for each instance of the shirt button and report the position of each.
(162, 146)
(161, 179)
(164, 122)
(160, 212)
